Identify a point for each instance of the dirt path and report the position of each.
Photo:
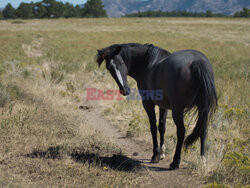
(162, 176)
(159, 173)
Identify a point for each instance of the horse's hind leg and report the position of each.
(178, 119)
(162, 129)
(203, 147)
(203, 142)
(150, 109)
(203, 117)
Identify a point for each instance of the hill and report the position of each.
(116, 8)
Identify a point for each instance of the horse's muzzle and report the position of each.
(125, 91)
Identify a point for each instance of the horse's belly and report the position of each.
(164, 103)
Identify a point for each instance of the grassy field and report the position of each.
(46, 66)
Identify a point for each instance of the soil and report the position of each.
(136, 150)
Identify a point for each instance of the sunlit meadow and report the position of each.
(46, 66)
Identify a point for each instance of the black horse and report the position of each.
(185, 79)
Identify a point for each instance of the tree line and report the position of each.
(54, 9)
(92, 8)
(245, 12)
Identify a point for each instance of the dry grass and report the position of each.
(46, 143)
(52, 61)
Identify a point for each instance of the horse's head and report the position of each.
(116, 66)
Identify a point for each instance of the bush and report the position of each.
(14, 91)
(235, 165)
(56, 76)
(135, 125)
(215, 185)
(70, 87)
(4, 96)
(238, 165)
(26, 73)
(10, 118)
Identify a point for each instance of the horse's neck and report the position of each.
(137, 64)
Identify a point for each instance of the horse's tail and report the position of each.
(205, 98)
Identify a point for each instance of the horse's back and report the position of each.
(174, 75)
(182, 57)
(178, 66)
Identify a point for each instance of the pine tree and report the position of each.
(78, 11)
(54, 9)
(9, 12)
(245, 13)
(25, 11)
(39, 10)
(209, 13)
(69, 11)
(94, 8)
(59, 9)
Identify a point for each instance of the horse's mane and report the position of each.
(154, 54)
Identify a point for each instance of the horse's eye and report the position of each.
(108, 66)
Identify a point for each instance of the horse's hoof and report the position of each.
(162, 152)
(162, 156)
(155, 159)
(204, 161)
(173, 166)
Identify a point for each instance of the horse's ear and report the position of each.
(115, 50)
(100, 57)
(107, 53)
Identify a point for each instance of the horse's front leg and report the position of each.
(150, 109)
(162, 129)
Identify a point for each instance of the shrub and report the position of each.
(215, 185)
(70, 87)
(235, 165)
(4, 96)
(135, 125)
(26, 73)
(56, 76)
(14, 91)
